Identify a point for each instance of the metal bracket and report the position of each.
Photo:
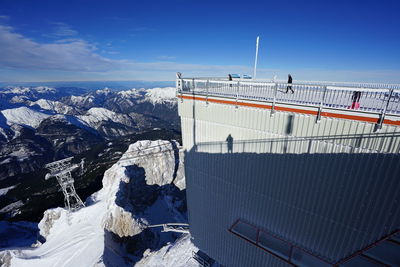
(383, 113)
(237, 94)
(207, 92)
(321, 104)
(274, 100)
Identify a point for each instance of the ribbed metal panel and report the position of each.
(330, 210)
(331, 188)
(203, 122)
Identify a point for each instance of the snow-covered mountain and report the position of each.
(165, 95)
(71, 123)
(55, 106)
(96, 116)
(26, 90)
(145, 187)
(24, 116)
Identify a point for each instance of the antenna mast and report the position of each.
(255, 62)
(62, 169)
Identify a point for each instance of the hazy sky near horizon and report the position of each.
(89, 40)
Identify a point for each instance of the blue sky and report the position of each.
(90, 40)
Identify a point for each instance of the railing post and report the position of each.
(181, 89)
(274, 100)
(382, 115)
(237, 94)
(207, 84)
(321, 104)
(193, 84)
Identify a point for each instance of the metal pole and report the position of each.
(207, 91)
(237, 94)
(382, 116)
(321, 104)
(255, 62)
(273, 102)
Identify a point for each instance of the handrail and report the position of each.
(380, 99)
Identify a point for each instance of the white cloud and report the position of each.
(17, 51)
(71, 58)
(63, 30)
(74, 54)
(166, 57)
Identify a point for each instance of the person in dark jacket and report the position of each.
(289, 87)
(229, 141)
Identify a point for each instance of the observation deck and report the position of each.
(376, 103)
(308, 178)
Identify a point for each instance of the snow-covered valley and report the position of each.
(145, 187)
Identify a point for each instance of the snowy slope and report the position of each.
(178, 254)
(95, 116)
(132, 93)
(24, 116)
(52, 105)
(79, 238)
(81, 100)
(24, 90)
(4, 190)
(161, 95)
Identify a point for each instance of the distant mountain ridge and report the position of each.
(67, 121)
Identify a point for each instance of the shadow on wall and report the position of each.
(312, 197)
(358, 143)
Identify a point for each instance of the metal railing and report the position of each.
(368, 97)
(329, 144)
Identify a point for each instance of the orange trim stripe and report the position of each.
(302, 111)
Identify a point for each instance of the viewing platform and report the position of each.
(369, 102)
(276, 178)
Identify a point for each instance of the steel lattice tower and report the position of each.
(62, 169)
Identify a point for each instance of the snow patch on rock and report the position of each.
(3, 191)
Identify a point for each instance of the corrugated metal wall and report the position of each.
(330, 197)
(211, 122)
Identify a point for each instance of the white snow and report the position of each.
(7, 160)
(95, 116)
(24, 116)
(44, 89)
(131, 93)
(161, 95)
(22, 153)
(78, 238)
(16, 90)
(18, 99)
(178, 254)
(4, 190)
(12, 207)
(52, 105)
(81, 99)
(104, 91)
(23, 90)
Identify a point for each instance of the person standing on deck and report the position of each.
(356, 100)
(289, 87)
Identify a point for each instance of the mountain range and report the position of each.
(41, 124)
